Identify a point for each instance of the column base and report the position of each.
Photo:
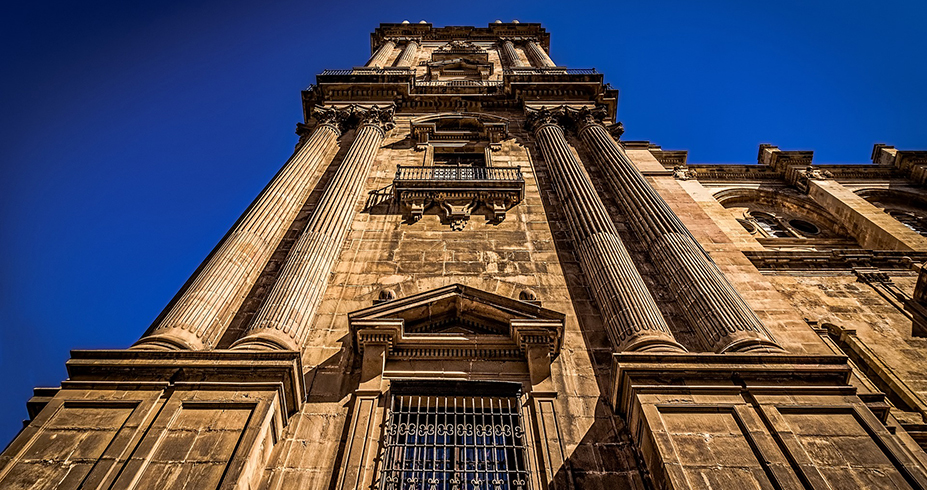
(654, 345)
(266, 340)
(753, 346)
(178, 339)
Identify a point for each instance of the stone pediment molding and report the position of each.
(457, 321)
(459, 126)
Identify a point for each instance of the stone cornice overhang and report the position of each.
(634, 374)
(216, 369)
(398, 86)
(833, 260)
(493, 32)
(758, 172)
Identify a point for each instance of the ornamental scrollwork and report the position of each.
(381, 118)
(539, 118)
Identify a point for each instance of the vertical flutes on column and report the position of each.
(202, 313)
(381, 57)
(631, 316)
(538, 55)
(509, 54)
(284, 320)
(710, 303)
(408, 54)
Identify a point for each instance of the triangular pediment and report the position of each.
(456, 304)
(456, 313)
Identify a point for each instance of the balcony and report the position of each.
(549, 71)
(453, 174)
(459, 190)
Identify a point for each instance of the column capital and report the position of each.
(378, 117)
(539, 118)
(587, 117)
(334, 118)
(342, 118)
(565, 116)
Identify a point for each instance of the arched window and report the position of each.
(770, 225)
(909, 219)
(805, 228)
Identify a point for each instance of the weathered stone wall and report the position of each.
(525, 251)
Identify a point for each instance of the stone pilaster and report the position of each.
(538, 55)
(283, 321)
(630, 314)
(381, 57)
(510, 55)
(200, 316)
(711, 304)
(408, 54)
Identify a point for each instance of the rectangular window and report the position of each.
(454, 441)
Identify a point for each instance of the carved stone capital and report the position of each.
(336, 118)
(539, 118)
(381, 118)
(586, 118)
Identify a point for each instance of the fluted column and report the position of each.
(199, 318)
(283, 321)
(631, 316)
(381, 57)
(510, 55)
(408, 54)
(537, 53)
(711, 304)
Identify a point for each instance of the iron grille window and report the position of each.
(454, 442)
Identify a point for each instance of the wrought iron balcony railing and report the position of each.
(458, 83)
(367, 71)
(458, 189)
(463, 173)
(550, 71)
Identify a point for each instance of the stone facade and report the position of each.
(463, 279)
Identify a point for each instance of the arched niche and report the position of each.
(776, 215)
(907, 207)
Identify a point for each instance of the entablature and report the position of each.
(440, 88)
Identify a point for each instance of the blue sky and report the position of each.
(133, 134)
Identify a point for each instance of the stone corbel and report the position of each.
(458, 213)
(540, 341)
(616, 130)
(682, 172)
(376, 332)
(417, 208)
(421, 134)
(801, 176)
(496, 132)
(499, 207)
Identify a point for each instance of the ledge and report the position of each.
(224, 368)
(686, 373)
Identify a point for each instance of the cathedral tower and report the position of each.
(463, 279)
